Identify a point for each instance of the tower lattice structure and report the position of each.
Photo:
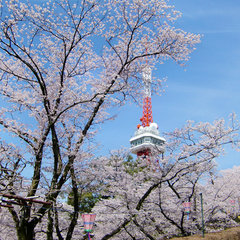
(147, 117)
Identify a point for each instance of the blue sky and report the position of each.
(206, 89)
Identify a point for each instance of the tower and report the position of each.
(147, 137)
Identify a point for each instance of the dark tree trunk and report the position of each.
(26, 232)
(50, 225)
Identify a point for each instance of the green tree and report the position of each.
(87, 201)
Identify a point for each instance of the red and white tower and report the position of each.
(147, 137)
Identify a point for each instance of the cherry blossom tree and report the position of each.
(145, 200)
(12, 163)
(63, 64)
(222, 193)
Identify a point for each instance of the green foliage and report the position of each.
(237, 219)
(132, 165)
(87, 201)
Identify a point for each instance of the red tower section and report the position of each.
(147, 118)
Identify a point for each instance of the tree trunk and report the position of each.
(26, 232)
(50, 225)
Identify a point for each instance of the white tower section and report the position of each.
(147, 80)
(147, 140)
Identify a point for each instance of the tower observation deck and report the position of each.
(147, 138)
